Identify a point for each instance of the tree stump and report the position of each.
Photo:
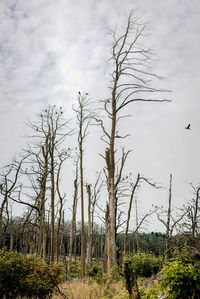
(131, 282)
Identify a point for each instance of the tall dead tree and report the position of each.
(10, 189)
(95, 196)
(63, 155)
(134, 186)
(167, 234)
(73, 228)
(191, 223)
(129, 212)
(83, 115)
(49, 132)
(170, 222)
(131, 82)
(167, 223)
(89, 236)
(193, 213)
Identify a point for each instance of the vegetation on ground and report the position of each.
(144, 265)
(181, 276)
(27, 276)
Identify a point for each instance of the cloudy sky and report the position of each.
(51, 49)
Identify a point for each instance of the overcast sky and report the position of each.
(49, 50)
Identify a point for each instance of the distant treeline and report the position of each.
(22, 237)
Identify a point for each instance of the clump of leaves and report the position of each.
(75, 270)
(144, 265)
(27, 276)
(95, 273)
(181, 279)
(151, 292)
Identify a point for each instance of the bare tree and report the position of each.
(95, 196)
(10, 188)
(170, 222)
(73, 228)
(167, 234)
(89, 237)
(193, 212)
(134, 186)
(84, 117)
(43, 170)
(131, 81)
(190, 226)
(63, 155)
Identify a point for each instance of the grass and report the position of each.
(93, 290)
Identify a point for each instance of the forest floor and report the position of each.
(106, 290)
(93, 290)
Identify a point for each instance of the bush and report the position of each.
(181, 279)
(95, 273)
(75, 270)
(143, 264)
(151, 292)
(27, 276)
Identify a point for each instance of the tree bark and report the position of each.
(129, 213)
(73, 235)
(167, 234)
(89, 237)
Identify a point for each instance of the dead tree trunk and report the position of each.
(130, 83)
(73, 235)
(131, 282)
(105, 257)
(89, 237)
(195, 218)
(129, 213)
(84, 117)
(167, 234)
(62, 158)
(111, 245)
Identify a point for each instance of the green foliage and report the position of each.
(95, 271)
(151, 292)
(144, 264)
(182, 279)
(75, 270)
(27, 276)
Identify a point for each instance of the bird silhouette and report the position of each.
(188, 127)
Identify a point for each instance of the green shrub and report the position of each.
(181, 279)
(144, 264)
(75, 270)
(151, 292)
(27, 276)
(95, 271)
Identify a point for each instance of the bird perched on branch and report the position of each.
(188, 127)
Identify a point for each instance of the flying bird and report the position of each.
(188, 127)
